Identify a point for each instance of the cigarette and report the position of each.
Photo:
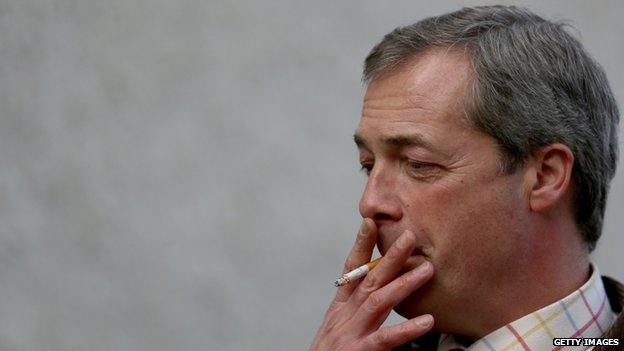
(356, 273)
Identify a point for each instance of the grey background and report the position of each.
(180, 175)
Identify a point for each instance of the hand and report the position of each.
(354, 317)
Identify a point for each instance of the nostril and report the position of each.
(382, 217)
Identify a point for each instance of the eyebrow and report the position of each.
(397, 141)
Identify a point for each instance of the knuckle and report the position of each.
(370, 283)
(374, 303)
(394, 253)
(403, 282)
(334, 307)
(328, 343)
(403, 330)
(349, 265)
(337, 340)
(331, 324)
(361, 238)
(382, 338)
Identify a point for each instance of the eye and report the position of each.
(366, 168)
(419, 165)
(422, 169)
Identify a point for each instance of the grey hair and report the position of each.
(534, 85)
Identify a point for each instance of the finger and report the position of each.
(387, 269)
(360, 254)
(376, 308)
(397, 335)
(363, 248)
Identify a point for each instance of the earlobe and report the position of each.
(551, 174)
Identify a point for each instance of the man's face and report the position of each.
(428, 171)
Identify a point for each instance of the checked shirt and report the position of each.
(585, 313)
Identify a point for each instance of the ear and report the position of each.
(549, 176)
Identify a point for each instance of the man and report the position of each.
(489, 138)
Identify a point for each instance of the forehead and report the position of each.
(427, 91)
(433, 77)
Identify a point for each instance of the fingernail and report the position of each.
(424, 267)
(364, 227)
(403, 239)
(425, 321)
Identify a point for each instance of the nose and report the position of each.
(379, 200)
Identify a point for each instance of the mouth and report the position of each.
(415, 259)
(413, 262)
(418, 250)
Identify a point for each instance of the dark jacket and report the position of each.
(615, 294)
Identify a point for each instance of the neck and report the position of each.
(552, 270)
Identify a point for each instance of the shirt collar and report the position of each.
(584, 313)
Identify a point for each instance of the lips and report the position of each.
(413, 262)
(416, 258)
(384, 245)
(417, 251)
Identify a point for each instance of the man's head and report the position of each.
(491, 134)
(532, 85)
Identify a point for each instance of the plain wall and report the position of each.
(180, 175)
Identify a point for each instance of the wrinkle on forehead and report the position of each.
(399, 96)
(395, 103)
(435, 80)
(380, 113)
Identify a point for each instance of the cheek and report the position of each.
(470, 228)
